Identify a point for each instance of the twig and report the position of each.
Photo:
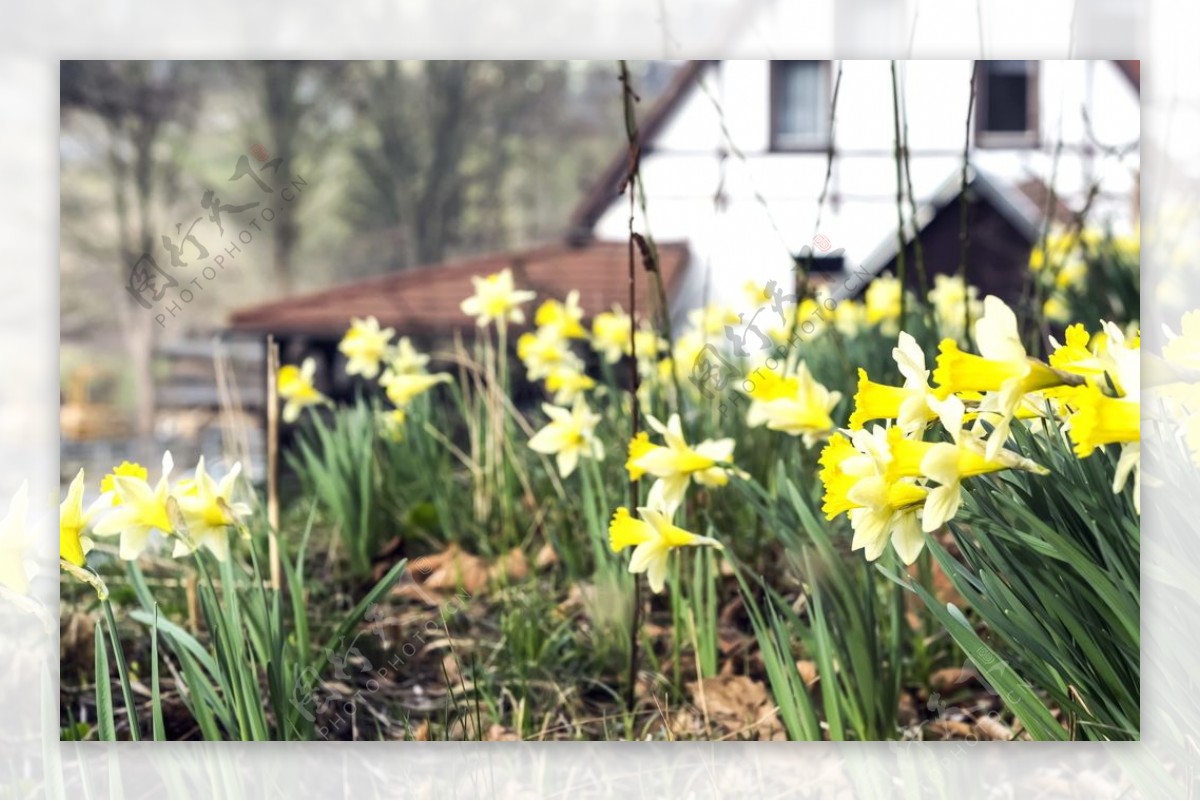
(964, 237)
(631, 179)
(900, 245)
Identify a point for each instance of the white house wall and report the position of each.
(744, 238)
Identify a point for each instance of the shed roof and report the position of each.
(425, 300)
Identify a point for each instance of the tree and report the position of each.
(140, 105)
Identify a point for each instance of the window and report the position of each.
(1006, 104)
(799, 105)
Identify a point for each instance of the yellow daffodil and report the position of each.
(392, 422)
(907, 405)
(1182, 350)
(142, 511)
(1105, 360)
(711, 320)
(365, 345)
(756, 294)
(404, 359)
(1102, 420)
(496, 299)
(73, 520)
(108, 487)
(563, 317)
(649, 345)
(545, 351)
(295, 386)
(567, 384)
(1055, 309)
(676, 463)
(849, 317)
(948, 463)
(886, 512)
(401, 389)
(835, 478)
(951, 302)
(15, 543)
(796, 405)
(883, 303)
(610, 334)
(1003, 368)
(208, 511)
(571, 433)
(652, 539)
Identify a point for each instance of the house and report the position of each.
(747, 164)
(735, 159)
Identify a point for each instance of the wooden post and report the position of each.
(273, 459)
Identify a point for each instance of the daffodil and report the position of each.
(711, 320)
(404, 359)
(401, 389)
(108, 487)
(73, 520)
(676, 463)
(545, 351)
(365, 345)
(756, 294)
(652, 539)
(882, 298)
(1003, 368)
(570, 434)
(887, 512)
(142, 511)
(798, 405)
(563, 317)
(907, 405)
(208, 511)
(392, 422)
(295, 385)
(1183, 349)
(948, 463)
(951, 302)
(1055, 309)
(1105, 360)
(610, 334)
(15, 543)
(849, 317)
(1102, 420)
(496, 299)
(567, 384)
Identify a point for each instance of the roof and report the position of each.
(426, 300)
(607, 187)
(1010, 203)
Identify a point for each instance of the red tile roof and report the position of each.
(426, 299)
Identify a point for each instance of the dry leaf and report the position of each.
(808, 671)
(421, 733)
(738, 705)
(990, 727)
(498, 733)
(545, 557)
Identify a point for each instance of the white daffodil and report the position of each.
(652, 538)
(365, 345)
(570, 434)
(142, 511)
(208, 511)
(496, 299)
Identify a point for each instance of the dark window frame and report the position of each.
(1028, 138)
(819, 143)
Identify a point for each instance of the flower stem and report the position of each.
(122, 670)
